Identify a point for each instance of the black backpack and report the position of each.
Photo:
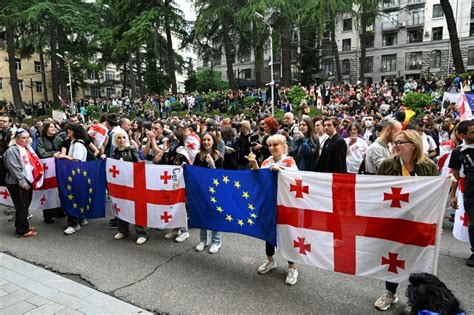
(90, 155)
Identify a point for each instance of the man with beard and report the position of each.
(379, 150)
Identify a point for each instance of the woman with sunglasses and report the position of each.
(409, 160)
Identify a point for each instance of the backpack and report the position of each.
(90, 155)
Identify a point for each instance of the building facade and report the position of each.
(409, 39)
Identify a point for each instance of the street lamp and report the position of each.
(272, 83)
(66, 60)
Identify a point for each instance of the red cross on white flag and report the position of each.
(354, 227)
(461, 223)
(47, 196)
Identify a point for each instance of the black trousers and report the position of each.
(391, 286)
(122, 227)
(270, 250)
(469, 208)
(21, 200)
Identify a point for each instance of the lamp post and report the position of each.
(66, 60)
(272, 83)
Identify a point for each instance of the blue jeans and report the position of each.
(216, 236)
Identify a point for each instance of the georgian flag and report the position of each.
(461, 222)
(5, 197)
(383, 227)
(146, 194)
(47, 196)
(465, 112)
(98, 133)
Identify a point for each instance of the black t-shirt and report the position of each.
(465, 159)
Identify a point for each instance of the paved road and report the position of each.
(164, 276)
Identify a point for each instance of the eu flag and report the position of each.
(82, 187)
(233, 201)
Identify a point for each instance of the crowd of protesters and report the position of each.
(361, 129)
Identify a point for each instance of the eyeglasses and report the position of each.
(398, 143)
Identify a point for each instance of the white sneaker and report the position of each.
(172, 234)
(214, 248)
(119, 236)
(266, 267)
(384, 302)
(84, 222)
(71, 230)
(292, 276)
(141, 240)
(182, 237)
(200, 246)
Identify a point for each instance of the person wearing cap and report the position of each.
(25, 171)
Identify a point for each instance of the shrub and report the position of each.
(296, 95)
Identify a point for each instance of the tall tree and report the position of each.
(453, 36)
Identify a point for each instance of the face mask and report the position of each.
(369, 123)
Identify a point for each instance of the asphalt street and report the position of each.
(170, 277)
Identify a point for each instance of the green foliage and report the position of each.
(417, 101)
(209, 80)
(114, 109)
(249, 101)
(296, 95)
(176, 106)
(93, 111)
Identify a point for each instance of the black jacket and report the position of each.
(333, 156)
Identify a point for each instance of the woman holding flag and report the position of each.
(24, 172)
(277, 160)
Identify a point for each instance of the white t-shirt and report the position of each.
(428, 143)
(78, 151)
(355, 154)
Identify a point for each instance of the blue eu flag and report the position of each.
(82, 187)
(233, 201)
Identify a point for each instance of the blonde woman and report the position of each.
(276, 161)
(408, 161)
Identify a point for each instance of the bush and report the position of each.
(93, 111)
(176, 106)
(249, 101)
(114, 109)
(296, 95)
(417, 101)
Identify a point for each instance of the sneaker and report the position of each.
(113, 223)
(182, 237)
(119, 236)
(172, 234)
(384, 302)
(200, 246)
(292, 276)
(214, 248)
(470, 261)
(266, 267)
(141, 240)
(84, 222)
(71, 230)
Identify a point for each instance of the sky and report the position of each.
(187, 7)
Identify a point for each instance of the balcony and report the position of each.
(414, 65)
(415, 22)
(391, 5)
(415, 2)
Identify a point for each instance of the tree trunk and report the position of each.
(124, 78)
(133, 85)
(10, 39)
(286, 55)
(258, 55)
(54, 63)
(363, 48)
(337, 62)
(171, 64)
(138, 63)
(43, 75)
(62, 74)
(453, 36)
(229, 56)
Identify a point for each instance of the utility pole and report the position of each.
(272, 82)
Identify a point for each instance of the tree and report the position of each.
(453, 36)
(209, 80)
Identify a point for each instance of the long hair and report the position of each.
(215, 151)
(44, 130)
(78, 131)
(415, 138)
(120, 132)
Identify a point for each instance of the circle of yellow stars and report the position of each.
(70, 196)
(225, 181)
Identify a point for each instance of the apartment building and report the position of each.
(409, 39)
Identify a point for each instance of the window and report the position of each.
(216, 61)
(346, 44)
(346, 67)
(20, 85)
(390, 20)
(472, 9)
(110, 92)
(369, 63)
(109, 75)
(416, 16)
(18, 64)
(246, 74)
(37, 66)
(437, 11)
(391, 3)
(39, 86)
(415, 1)
(415, 36)
(1, 83)
(346, 25)
(244, 56)
(470, 57)
(95, 91)
(435, 59)
(413, 60)
(437, 33)
(471, 29)
(369, 41)
(327, 67)
(389, 63)
(389, 39)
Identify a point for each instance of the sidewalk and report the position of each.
(27, 289)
